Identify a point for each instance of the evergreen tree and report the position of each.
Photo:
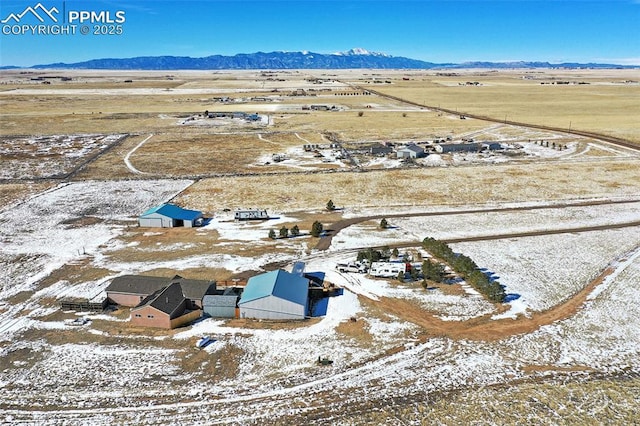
(295, 231)
(384, 224)
(316, 229)
(330, 206)
(284, 232)
(272, 234)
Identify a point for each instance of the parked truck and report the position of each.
(351, 267)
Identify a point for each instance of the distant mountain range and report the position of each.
(354, 58)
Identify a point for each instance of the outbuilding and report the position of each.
(458, 147)
(411, 151)
(222, 304)
(170, 216)
(275, 295)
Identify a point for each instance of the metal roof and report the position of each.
(414, 148)
(280, 283)
(174, 212)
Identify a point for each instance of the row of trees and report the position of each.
(466, 268)
(284, 232)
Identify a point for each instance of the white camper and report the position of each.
(387, 269)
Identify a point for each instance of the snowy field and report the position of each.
(69, 222)
(602, 336)
(96, 375)
(49, 156)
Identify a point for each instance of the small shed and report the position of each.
(275, 295)
(223, 304)
(410, 151)
(170, 216)
(491, 146)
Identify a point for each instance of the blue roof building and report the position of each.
(275, 295)
(170, 216)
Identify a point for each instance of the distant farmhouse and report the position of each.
(170, 216)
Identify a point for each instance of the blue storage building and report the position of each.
(275, 295)
(170, 216)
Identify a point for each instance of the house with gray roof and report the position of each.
(131, 290)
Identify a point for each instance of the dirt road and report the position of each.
(333, 229)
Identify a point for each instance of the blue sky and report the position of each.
(431, 30)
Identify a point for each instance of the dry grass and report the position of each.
(593, 107)
(14, 192)
(429, 187)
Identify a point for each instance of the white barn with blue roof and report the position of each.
(275, 295)
(170, 216)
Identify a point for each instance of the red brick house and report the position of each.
(160, 302)
(166, 308)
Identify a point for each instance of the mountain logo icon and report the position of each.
(38, 11)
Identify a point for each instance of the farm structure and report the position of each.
(380, 149)
(410, 151)
(275, 295)
(254, 214)
(170, 216)
(467, 147)
(223, 303)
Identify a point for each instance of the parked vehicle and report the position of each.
(204, 342)
(351, 267)
(387, 269)
(78, 321)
